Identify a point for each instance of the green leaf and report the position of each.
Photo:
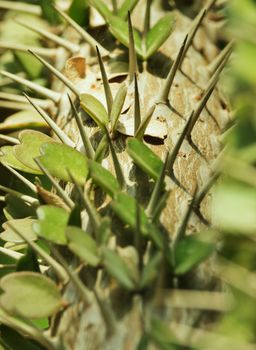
(51, 224)
(23, 225)
(59, 159)
(79, 12)
(23, 119)
(190, 252)
(158, 34)
(127, 6)
(119, 29)
(48, 11)
(95, 109)
(146, 159)
(29, 148)
(83, 245)
(29, 295)
(8, 157)
(118, 105)
(101, 149)
(117, 268)
(124, 207)
(103, 178)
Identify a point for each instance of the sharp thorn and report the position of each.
(108, 93)
(27, 199)
(144, 123)
(163, 97)
(219, 59)
(195, 25)
(203, 192)
(133, 67)
(89, 151)
(50, 36)
(116, 163)
(137, 115)
(9, 139)
(57, 73)
(158, 189)
(114, 6)
(57, 130)
(173, 155)
(45, 104)
(208, 91)
(184, 223)
(22, 178)
(44, 51)
(52, 95)
(55, 184)
(146, 27)
(11, 253)
(87, 37)
(21, 7)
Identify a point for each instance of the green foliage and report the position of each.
(28, 294)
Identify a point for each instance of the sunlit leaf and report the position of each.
(23, 119)
(7, 156)
(59, 159)
(158, 34)
(118, 105)
(30, 295)
(51, 223)
(29, 148)
(119, 29)
(95, 109)
(23, 225)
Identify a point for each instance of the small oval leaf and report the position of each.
(24, 225)
(8, 157)
(95, 109)
(51, 223)
(29, 148)
(29, 295)
(146, 159)
(119, 29)
(117, 268)
(83, 245)
(190, 252)
(118, 105)
(59, 159)
(103, 178)
(158, 34)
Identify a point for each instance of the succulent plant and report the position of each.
(109, 239)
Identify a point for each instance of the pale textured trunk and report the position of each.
(82, 327)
